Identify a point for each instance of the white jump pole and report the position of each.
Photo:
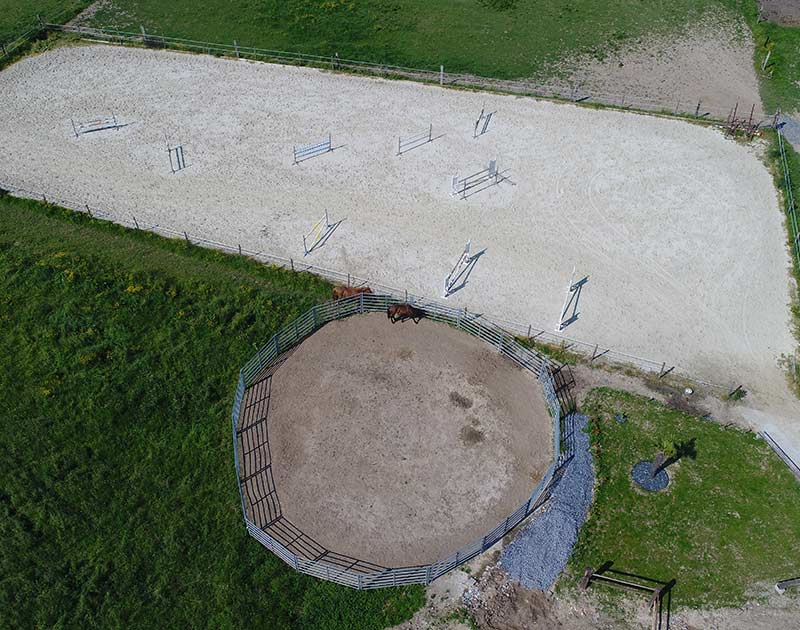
(560, 326)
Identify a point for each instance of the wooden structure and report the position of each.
(658, 591)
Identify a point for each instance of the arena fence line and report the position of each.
(791, 209)
(568, 92)
(592, 352)
(249, 418)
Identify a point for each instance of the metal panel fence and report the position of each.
(350, 571)
(562, 91)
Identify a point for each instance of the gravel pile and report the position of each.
(641, 475)
(541, 549)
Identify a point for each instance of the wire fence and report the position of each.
(574, 92)
(594, 353)
(10, 43)
(259, 497)
(791, 210)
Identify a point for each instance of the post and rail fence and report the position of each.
(554, 90)
(592, 352)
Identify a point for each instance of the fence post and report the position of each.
(240, 249)
(186, 236)
(3, 46)
(236, 46)
(135, 222)
(441, 75)
(144, 34)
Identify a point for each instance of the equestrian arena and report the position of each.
(674, 228)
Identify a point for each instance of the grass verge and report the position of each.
(118, 502)
(793, 163)
(726, 522)
(497, 38)
(780, 87)
(19, 16)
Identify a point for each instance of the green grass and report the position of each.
(499, 38)
(793, 162)
(780, 84)
(729, 519)
(119, 355)
(19, 16)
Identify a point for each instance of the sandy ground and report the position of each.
(677, 227)
(710, 63)
(400, 443)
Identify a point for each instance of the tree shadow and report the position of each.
(687, 448)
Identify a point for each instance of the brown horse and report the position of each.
(340, 291)
(402, 312)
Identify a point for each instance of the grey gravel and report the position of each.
(640, 473)
(540, 550)
(791, 130)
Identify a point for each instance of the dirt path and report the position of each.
(786, 12)
(88, 13)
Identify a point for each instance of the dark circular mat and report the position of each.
(640, 473)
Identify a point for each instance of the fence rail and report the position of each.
(343, 569)
(562, 91)
(791, 210)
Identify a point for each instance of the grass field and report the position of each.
(500, 38)
(782, 89)
(118, 500)
(19, 16)
(727, 521)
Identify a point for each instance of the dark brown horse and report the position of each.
(340, 291)
(402, 312)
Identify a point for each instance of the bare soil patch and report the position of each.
(710, 64)
(379, 457)
(786, 12)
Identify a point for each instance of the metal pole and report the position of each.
(186, 236)
(236, 46)
(135, 222)
(441, 75)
